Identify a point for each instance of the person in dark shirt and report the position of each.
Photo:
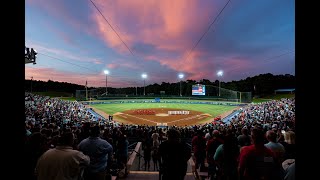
(174, 157)
(244, 139)
(199, 149)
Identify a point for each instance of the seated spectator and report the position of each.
(257, 161)
(174, 157)
(99, 151)
(62, 162)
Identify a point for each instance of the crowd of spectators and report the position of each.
(57, 129)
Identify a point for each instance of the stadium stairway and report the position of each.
(135, 167)
(146, 175)
(97, 116)
(228, 118)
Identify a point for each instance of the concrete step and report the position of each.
(150, 175)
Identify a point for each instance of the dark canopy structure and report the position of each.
(285, 90)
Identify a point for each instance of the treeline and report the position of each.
(46, 86)
(263, 84)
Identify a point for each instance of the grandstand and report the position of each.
(247, 116)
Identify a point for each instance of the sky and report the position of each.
(161, 38)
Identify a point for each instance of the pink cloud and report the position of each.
(113, 65)
(160, 23)
(94, 80)
(123, 63)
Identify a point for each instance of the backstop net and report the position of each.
(83, 95)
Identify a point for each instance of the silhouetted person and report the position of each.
(212, 146)
(244, 139)
(199, 148)
(122, 155)
(99, 151)
(62, 162)
(155, 155)
(257, 161)
(35, 147)
(147, 148)
(174, 157)
(226, 157)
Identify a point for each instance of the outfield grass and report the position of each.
(213, 110)
(182, 100)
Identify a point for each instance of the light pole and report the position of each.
(180, 77)
(220, 73)
(106, 72)
(31, 84)
(144, 76)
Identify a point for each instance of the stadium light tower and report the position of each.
(220, 73)
(31, 84)
(144, 76)
(180, 77)
(106, 72)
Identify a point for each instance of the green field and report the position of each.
(213, 110)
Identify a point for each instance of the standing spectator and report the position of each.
(122, 155)
(244, 139)
(289, 145)
(155, 154)
(208, 135)
(99, 151)
(226, 157)
(155, 135)
(62, 162)
(274, 146)
(174, 157)
(257, 161)
(35, 147)
(199, 149)
(212, 146)
(147, 148)
(289, 167)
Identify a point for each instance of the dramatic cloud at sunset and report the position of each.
(76, 43)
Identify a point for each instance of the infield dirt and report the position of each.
(161, 116)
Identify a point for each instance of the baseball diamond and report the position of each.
(170, 114)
